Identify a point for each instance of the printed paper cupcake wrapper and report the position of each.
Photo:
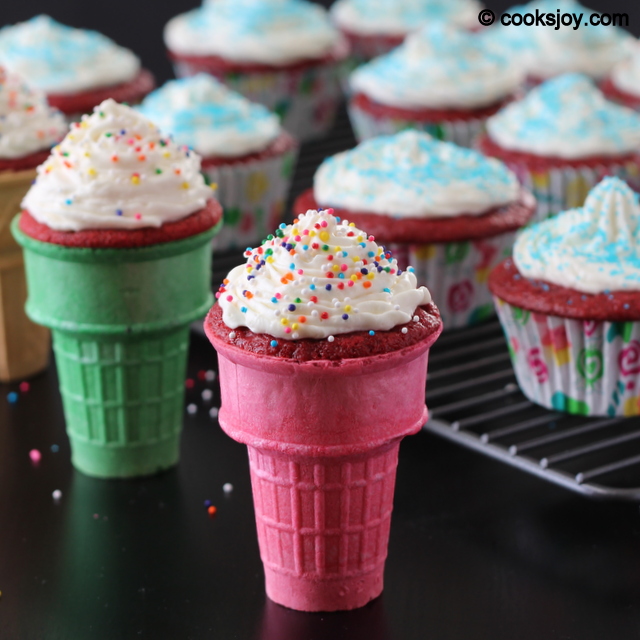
(306, 100)
(253, 195)
(462, 132)
(456, 274)
(557, 190)
(581, 367)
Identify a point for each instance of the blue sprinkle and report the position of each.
(345, 316)
(283, 225)
(292, 307)
(244, 309)
(328, 287)
(337, 219)
(387, 289)
(312, 287)
(122, 132)
(207, 503)
(12, 397)
(364, 271)
(305, 247)
(372, 333)
(274, 343)
(118, 212)
(341, 276)
(371, 254)
(569, 301)
(274, 300)
(68, 201)
(292, 266)
(55, 448)
(625, 305)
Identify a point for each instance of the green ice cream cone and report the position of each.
(120, 323)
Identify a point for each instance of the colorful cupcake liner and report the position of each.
(306, 99)
(253, 195)
(558, 189)
(366, 125)
(577, 366)
(456, 274)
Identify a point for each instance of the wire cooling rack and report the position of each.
(474, 399)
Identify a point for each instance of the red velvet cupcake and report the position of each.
(76, 68)
(245, 151)
(375, 28)
(569, 303)
(561, 139)
(442, 80)
(284, 55)
(447, 213)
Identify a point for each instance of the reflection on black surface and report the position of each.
(366, 623)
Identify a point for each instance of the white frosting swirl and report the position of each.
(115, 170)
(593, 249)
(399, 17)
(439, 67)
(567, 117)
(545, 52)
(626, 74)
(203, 114)
(27, 123)
(262, 31)
(316, 278)
(60, 60)
(412, 175)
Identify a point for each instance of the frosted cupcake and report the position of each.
(623, 84)
(448, 212)
(28, 128)
(442, 80)
(76, 68)
(244, 152)
(569, 303)
(375, 27)
(546, 51)
(116, 232)
(322, 381)
(283, 54)
(562, 138)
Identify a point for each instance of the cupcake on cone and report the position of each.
(244, 151)
(76, 68)
(28, 128)
(284, 54)
(314, 333)
(116, 232)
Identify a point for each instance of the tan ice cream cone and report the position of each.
(24, 346)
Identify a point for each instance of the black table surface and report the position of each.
(478, 550)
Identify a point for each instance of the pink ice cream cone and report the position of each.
(323, 439)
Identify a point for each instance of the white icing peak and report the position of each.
(566, 117)
(399, 17)
(319, 277)
(202, 113)
(264, 31)
(593, 249)
(61, 60)
(412, 175)
(27, 123)
(115, 170)
(440, 66)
